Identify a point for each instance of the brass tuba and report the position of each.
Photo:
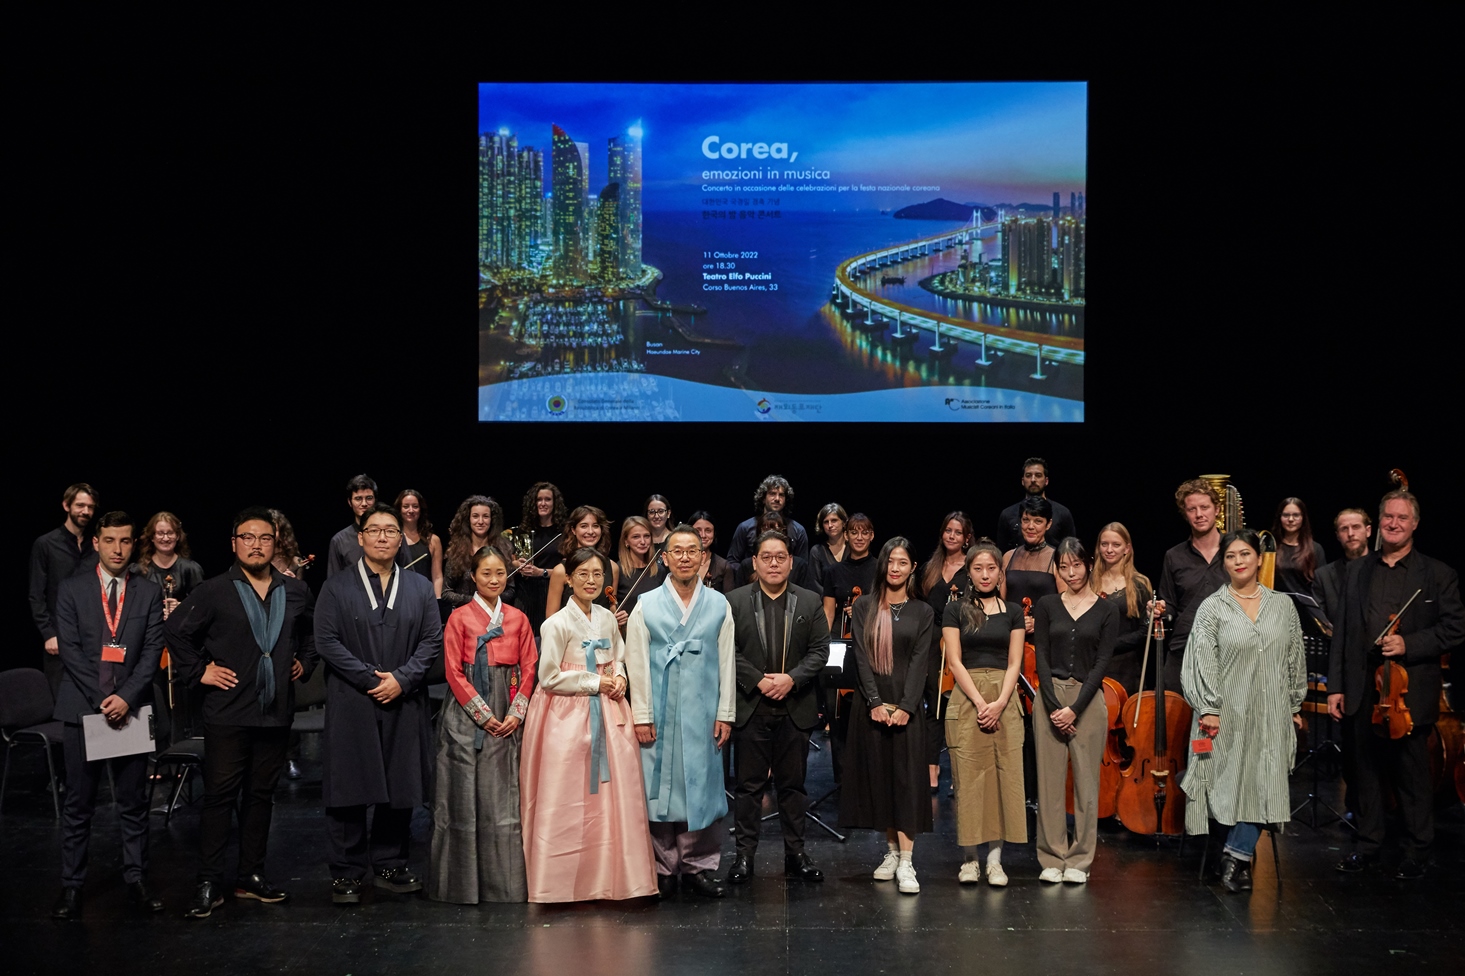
(1232, 516)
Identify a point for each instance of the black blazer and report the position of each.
(81, 628)
(808, 647)
(1433, 625)
(1327, 589)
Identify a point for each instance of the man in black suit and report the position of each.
(1375, 587)
(782, 640)
(1354, 529)
(109, 630)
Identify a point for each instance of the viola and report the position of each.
(1391, 716)
(610, 597)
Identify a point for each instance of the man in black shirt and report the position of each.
(1192, 570)
(1354, 528)
(1035, 483)
(55, 556)
(1376, 587)
(774, 493)
(241, 639)
(345, 550)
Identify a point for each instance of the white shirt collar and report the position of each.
(107, 578)
(496, 615)
(690, 604)
(396, 578)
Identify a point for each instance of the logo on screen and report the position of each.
(556, 404)
(952, 403)
(763, 406)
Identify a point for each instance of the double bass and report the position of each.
(1157, 748)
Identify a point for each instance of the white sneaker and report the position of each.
(887, 867)
(906, 876)
(996, 876)
(1051, 875)
(1075, 876)
(970, 873)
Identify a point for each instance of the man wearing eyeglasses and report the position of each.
(680, 657)
(782, 643)
(378, 631)
(345, 549)
(240, 640)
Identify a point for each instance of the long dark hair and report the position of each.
(878, 625)
(460, 534)
(530, 510)
(568, 542)
(1306, 559)
(1073, 548)
(973, 617)
(424, 524)
(931, 575)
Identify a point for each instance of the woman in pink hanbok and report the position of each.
(583, 803)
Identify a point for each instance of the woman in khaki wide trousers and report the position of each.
(982, 638)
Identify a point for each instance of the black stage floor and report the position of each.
(1142, 912)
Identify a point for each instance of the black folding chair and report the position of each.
(25, 719)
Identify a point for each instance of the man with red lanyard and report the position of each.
(109, 630)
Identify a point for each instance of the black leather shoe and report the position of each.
(142, 898)
(255, 886)
(704, 884)
(346, 891)
(801, 866)
(399, 880)
(1354, 863)
(666, 885)
(1231, 870)
(68, 906)
(1409, 870)
(206, 897)
(741, 870)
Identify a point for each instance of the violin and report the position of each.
(610, 597)
(1156, 747)
(1391, 716)
(1029, 662)
(847, 615)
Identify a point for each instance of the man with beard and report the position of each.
(1192, 570)
(774, 494)
(55, 556)
(1354, 528)
(378, 631)
(1035, 484)
(241, 639)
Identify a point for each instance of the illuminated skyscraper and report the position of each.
(568, 181)
(624, 161)
(1028, 255)
(510, 200)
(608, 234)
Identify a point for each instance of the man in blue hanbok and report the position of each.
(681, 660)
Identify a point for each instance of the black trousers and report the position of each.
(355, 850)
(770, 741)
(129, 774)
(1402, 763)
(239, 758)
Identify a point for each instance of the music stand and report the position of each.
(1315, 649)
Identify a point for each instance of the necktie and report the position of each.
(112, 599)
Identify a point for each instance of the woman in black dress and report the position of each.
(586, 528)
(163, 557)
(1031, 570)
(832, 546)
(884, 784)
(1074, 635)
(1116, 581)
(1299, 557)
(478, 522)
(716, 572)
(541, 522)
(422, 550)
(856, 569)
(943, 580)
(658, 515)
(640, 565)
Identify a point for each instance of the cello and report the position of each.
(1157, 744)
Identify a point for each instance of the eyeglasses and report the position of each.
(773, 558)
(249, 539)
(589, 577)
(382, 532)
(655, 511)
(684, 553)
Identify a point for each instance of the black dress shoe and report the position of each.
(400, 880)
(704, 884)
(142, 898)
(741, 870)
(206, 897)
(1354, 863)
(801, 866)
(666, 885)
(346, 891)
(1231, 870)
(255, 886)
(68, 906)
(1409, 870)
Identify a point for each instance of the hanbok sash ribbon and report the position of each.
(670, 688)
(478, 673)
(266, 630)
(599, 761)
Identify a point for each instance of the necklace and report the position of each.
(1039, 547)
(896, 608)
(1246, 596)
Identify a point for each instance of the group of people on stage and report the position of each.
(594, 682)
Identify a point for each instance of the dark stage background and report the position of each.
(244, 288)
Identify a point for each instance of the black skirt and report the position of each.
(886, 784)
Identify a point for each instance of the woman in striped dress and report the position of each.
(1245, 676)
